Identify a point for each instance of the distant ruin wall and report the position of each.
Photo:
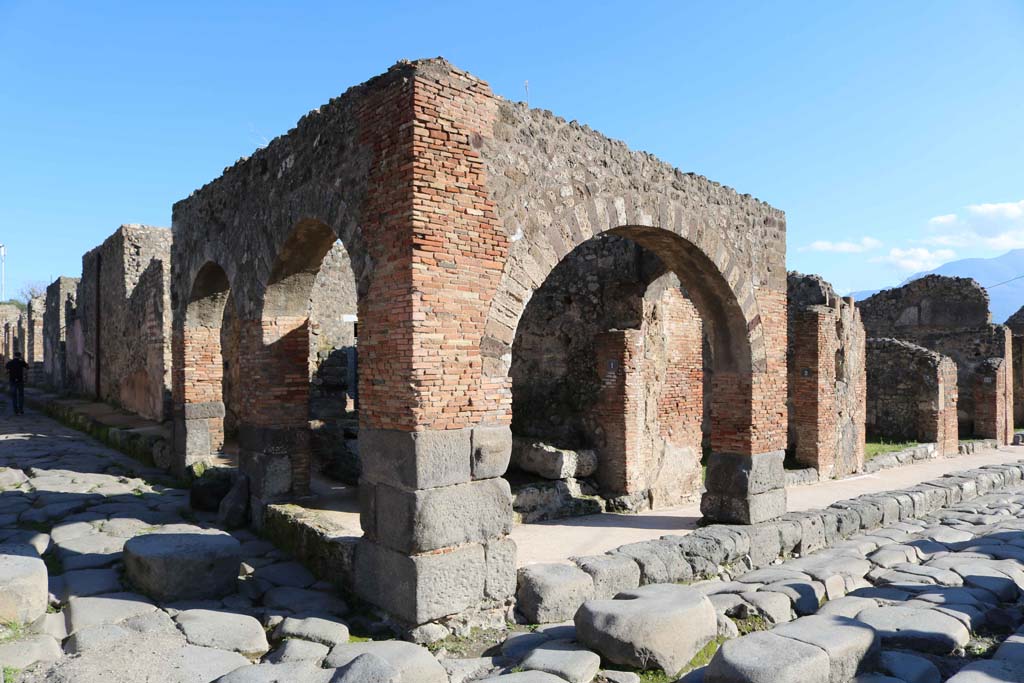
(827, 378)
(950, 316)
(911, 395)
(1016, 324)
(123, 316)
(34, 340)
(9, 314)
(59, 295)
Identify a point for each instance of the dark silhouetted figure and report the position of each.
(16, 378)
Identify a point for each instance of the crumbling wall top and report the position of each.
(1016, 322)
(932, 302)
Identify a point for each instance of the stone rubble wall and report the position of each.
(60, 296)
(1016, 324)
(911, 395)
(827, 378)
(9, 314)
(950, 316)
(121, 331)
(34, 340)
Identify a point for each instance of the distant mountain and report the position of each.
(1005, 299)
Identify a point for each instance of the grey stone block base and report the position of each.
(744, 489)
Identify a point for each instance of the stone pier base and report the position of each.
(744, 489)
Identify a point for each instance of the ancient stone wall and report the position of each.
(454, 206)
(827, 378)
(950, 316)
(911, 395)
(8, 323)
(123, 321)
(60, 295)
(34, 339)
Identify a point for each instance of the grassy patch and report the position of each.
(10, 674)
(11, 631)
(875, 448)
(656, 677)
(475, 644)
(754, 622)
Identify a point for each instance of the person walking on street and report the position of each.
(16, 379)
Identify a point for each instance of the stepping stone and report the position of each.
(295, 650)
(107, 609)
(315, 629)
(414, 664)
(183, 566)
(565, 659)
(764, 657)
(612, 574)
(24, 585)
(908, 667)
(225, 631)
(659, 625)
(851, 645)
(23, 653)
(916, 629)
(550, 593)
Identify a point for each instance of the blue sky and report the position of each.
(892, 134)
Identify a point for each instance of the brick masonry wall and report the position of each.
(59, 295)
(911, 395)
(1016, 324)
(949, 316)
(827, 378)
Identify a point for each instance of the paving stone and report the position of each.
(908, 667)
(413, 663)
(296, 650)
(660, 561)
(565, 659)
(609, 676)
(225, 631)
(805, 595)
(284, 672)
(764, 657)
(916, 629)
(1012, 648)
(990, 671)
(528, 677)
(661, 625)
(316, 629)
(518, 645)
(106, 609)
(85, 582)
(464, 670)
(851, 645)
(287, 574)
(302, 601)
(552, 592)
(848, 606)
(30, 650)
(24, 586)
(193, 565)
(96, 637)
(777, 607)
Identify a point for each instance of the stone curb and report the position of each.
(925, 451)
(725, 551)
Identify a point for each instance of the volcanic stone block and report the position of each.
(416, 460)
(492, 450)
(764, 657)
(420, 588)
(745, 489)
(553, 463)
(183, 566)
(916, 629)
(413, 663)
(661, 625)
(501, 568)
(852, 646)
(429, 519)
(551, 593)
(612, 574)
(566, 659)
(23, 586)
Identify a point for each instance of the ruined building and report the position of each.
(1016, 324)
(118, 338)
(454, 208)
(827, 378)
(34, 339)
(60, 297)
(950, 316)
(9, 314)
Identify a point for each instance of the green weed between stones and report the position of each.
(11, 674)
(11, 631)
(752, 623)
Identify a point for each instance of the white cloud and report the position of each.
(1011, 211)
(944, 219)
(865, 244)
(915, 259)
(995, 226)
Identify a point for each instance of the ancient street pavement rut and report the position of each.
(931, 598)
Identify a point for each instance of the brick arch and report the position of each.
(720, 289)
(199, 377)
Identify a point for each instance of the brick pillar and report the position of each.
(196, 386)
(619, 407)
(746, 481)
(433, 440)
(1018, 381)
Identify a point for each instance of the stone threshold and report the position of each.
(145, 440)
(727, 551)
